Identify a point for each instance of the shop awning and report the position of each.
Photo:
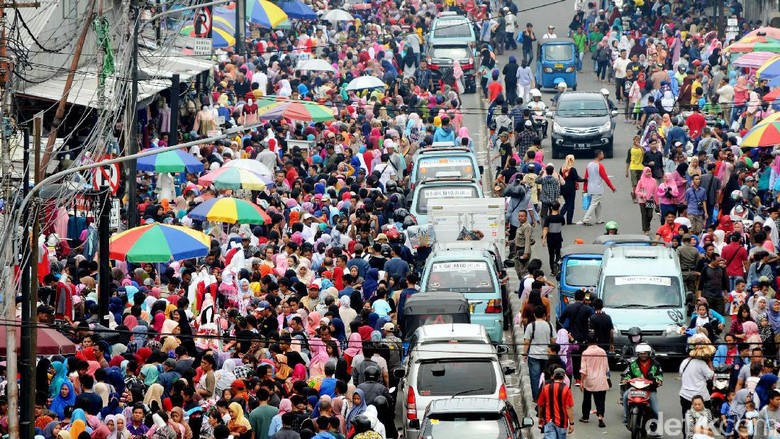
(156, 72)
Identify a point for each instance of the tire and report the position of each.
(635, 423)
(574, 88)
(555, 153)
(609, 150)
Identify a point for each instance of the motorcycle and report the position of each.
(720, 389)
(539, 125)
(639, 411)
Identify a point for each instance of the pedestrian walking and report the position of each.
(634, 166)
(550, 185)
(576, 317)
(595, 179)
(555, 407)
(569, 188)
(696, 199)
(537, 336)
(646, 193)
(522, 244)
(552, 235)
(594, 371)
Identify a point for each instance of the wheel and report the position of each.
(574, 88)
(609, 150)
(635, 423)
(556, 154)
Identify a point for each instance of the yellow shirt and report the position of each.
(636, 155)
(695, 99)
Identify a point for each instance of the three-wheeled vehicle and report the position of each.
(580, 267)
(433, 308)
(556, 62)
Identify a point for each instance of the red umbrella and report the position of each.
(49, 342)
(772, 95)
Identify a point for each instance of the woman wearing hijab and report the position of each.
(154, 396)
(176, 422)
(338, 331)
(319, 356)
(185, 331)
(371, 283)
(60, 377)
(346, 313)
(667, 194)
(647, 196)
(358, 407)
(764, 388)
(285, 406)
(78, 423)
(51, 430)
(64, 398)
(238, 424)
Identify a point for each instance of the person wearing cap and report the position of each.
(269, 322)
(394, 349)
(312, 299)
(550, 33)
(555, 407)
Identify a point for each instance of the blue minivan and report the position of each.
(472, 273)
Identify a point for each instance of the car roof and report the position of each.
(470, 404)
(451, 331)
(425, 299)
(581, 94)
(461, 351)
(603, 239)
(445, 254)
(450, 181)
(476, 246)
(557, 41)
(583, 249)
(634, 259)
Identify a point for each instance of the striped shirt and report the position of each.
(554, 399)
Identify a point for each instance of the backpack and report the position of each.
(517, 190)
(533, 330)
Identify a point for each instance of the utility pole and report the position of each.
(240, 12)
(104, 273)
(131, 128)
(27, 354)
(173, 135)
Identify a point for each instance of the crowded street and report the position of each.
(412, 219)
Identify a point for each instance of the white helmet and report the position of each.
(535, 93)
(605, 92)
(562, 85)
(643, 348)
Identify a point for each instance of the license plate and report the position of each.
(637, 394)
(580, 146)
(559, 66)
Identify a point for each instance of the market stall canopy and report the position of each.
(265, 13)
(766, 133)
(770, 69)
(754, 60)
(275, 107)
(754, 44)
(765, 31)
(233, 178)
(170, 161)
(159, 243)
(49, 341)
(298, 10)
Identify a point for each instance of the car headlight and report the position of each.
(557, 128)
(673, 329)
(606, 127)
(569, 69)
(548, 70)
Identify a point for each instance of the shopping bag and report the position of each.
(585, 201)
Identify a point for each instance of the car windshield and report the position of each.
(432, 167)
(464, 377)
(450, 52)
(461, 277)
(641, 292)
(558, 52)
(452, 29)
(460, 191)
(466, 426)
(578, 107)
(582, 272)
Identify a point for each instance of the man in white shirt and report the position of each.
(550, 33)
(267, 157)
(385, 169)
(771, 222)
(620, 65)
(261, 79)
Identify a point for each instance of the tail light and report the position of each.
(411, 404)
(467, 66)
(493, 306)
(502, 393)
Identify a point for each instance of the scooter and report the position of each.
(639, 411)
(539, 125)
(720, 388)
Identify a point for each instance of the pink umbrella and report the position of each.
(754, 60)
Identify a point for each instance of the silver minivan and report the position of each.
(442, 370)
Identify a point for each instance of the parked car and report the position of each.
(472, 418)
(450, 187)
(582, 122)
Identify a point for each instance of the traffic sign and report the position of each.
(107, 175)
(202, 22)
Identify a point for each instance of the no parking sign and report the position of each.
(107, 175)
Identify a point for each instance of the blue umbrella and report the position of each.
(775, 82)
(298, 10)
(170, 161)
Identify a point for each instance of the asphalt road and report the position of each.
(617, 207)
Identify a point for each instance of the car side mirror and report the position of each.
(502, 349)
(613, 113)
(690, 297)
(508, 370)
(548, 114)
(508, 263)
(399, 373)
(527, 422)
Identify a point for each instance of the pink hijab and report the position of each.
(281, 264)
(315, 322)
(157, 321)
(354, 345)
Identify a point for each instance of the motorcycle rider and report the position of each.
(561, 89)
(644, 366)
(538, 107)
(611, 228)
(605, 93)
(372, 387)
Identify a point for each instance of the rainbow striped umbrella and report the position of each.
(230, 210)
(170, 161)
(275, 107)
(265, 13)
(158, 243)
(770, 69)
(766, 133)
(233, 178)
(223, 28)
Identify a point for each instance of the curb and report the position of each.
(528, 406)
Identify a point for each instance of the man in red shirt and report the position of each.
(555, 406)
(668, 229)
(695, 123)
(736, 259)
